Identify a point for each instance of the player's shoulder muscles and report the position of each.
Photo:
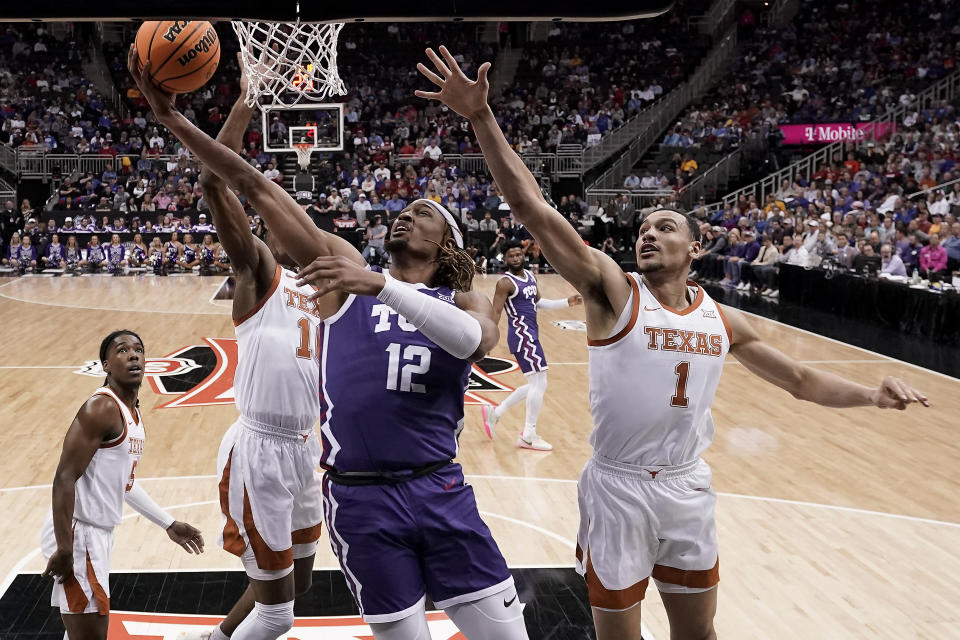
(99, 420)
(610, 287)
(741, 331)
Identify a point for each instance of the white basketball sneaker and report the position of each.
(534, 442)
(490, 418)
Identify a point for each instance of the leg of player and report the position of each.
(85, 626)
(498, 616)
(691, 614)
(272, 610)
(492, 415)
(529, 439)
(413, 627)
(303, 580)
(620, 625)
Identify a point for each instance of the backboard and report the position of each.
(285, 126)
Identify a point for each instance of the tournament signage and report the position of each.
(827, 132)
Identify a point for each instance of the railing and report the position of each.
(712, 180)
(643, 129)
(640, 198)
(946, 89)
(38, 164)
(8, 158)
(938, 187)
(649, 125)
(540, 164)
(7, 191)
(716, 18)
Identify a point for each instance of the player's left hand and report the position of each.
(161, 103)
(466, 97)
(339, 273)
(187, 536)
(894, 393)
(575, 299)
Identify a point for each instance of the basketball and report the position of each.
(183, 54)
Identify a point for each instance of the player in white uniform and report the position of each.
(270, 493)
(94, 478)
(657, 344)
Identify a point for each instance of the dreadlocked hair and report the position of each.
(455, 268)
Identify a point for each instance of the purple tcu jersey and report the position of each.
(523, 333)
(95, 253)
(189, 254)
(115, 252)
(391, 398)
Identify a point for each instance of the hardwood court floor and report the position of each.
(832, 524)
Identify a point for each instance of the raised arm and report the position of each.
(805, 382)
(293, 228)
(592, 273)
(247, 252)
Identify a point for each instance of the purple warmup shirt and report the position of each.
(391, 398)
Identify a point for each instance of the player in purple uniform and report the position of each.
(395, 352)
(517, 293)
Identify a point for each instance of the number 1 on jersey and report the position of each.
(303, 351)
(679, 398)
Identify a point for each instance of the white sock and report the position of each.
(537, 382)
(519, 394)
(218, 634)
(267, 622)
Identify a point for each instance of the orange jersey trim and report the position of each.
(266, 557)
(103, 601)
(273, 287)
(612, 599)
(702, 579)
(123, 418)
(726, 325)
(634, 314)
(109, 444)
(232, 541)
(308, 535)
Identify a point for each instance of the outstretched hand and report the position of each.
(187, 536)
(894, 393)
(161, 102)
(575, 300)
(466, 97)
(339, 273)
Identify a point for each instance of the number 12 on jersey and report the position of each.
(416, 361)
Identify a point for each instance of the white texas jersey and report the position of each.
(652, 383)
(277, 381)
(101, 490)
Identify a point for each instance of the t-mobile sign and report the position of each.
(828, 132)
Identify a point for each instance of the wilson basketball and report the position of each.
(183, 54)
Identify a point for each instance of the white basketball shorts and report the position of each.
(638, 522)
(88, 591)
(271, 496)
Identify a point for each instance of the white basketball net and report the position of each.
(289, 62)
(303, 149)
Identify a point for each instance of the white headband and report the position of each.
(439, 208)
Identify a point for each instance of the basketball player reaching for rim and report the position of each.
(657, 344)
(94, 478)
(395, 353)
(517, 292)
(270, 492)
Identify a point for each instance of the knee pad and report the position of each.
(268, 622)
(413, 627)
(496, 617)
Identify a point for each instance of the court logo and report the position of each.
(158, 626)
(201, 375)
(571, 325)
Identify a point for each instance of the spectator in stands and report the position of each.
(933, 260)
(488, 224)
(626, 216)
(11, 221)
(360, 208)
(631, 182)
(890, 262)
(758, 274)
(376, 234)
(272, 173)
(952, 246)
(731, 270)
(845, 252)
(911, 253)
(794, 253)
